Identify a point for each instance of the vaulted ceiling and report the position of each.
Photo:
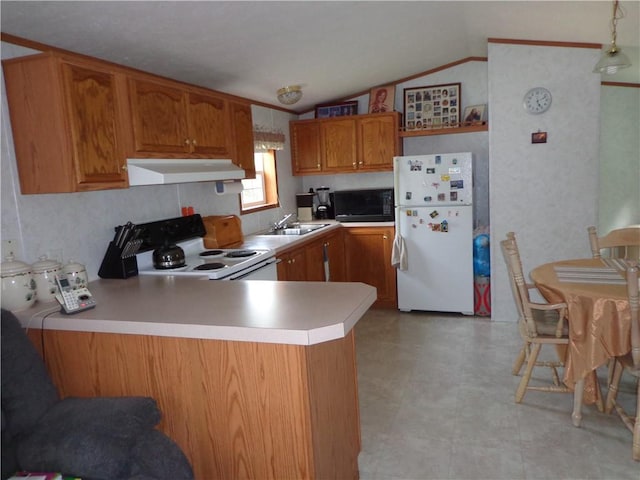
(334, 49)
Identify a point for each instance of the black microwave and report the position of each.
(364, 205)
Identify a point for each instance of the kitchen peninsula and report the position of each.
(255, 379)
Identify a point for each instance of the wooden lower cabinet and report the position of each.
(368, 260)
(293, 265)
(307, 262)
(237, 409)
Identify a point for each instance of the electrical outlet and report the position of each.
(10, 248)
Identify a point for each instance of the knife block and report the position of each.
(114, 265)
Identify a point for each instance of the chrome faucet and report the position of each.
(280, 224)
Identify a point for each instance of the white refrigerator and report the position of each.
(434, 231)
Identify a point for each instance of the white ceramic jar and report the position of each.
(44, 273)
(18, 286)
(76, 274)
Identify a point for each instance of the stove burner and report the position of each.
(240, 253)
(211, 253)
(210, 266)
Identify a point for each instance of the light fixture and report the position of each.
(290, 95)
(613, 59)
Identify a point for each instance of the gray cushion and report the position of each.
(27, 390)
(89, 437)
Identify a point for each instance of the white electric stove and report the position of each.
(214, 264)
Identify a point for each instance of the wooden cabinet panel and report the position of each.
(210, 129)
(293, 265)
(315, 261)
(357, 143)
(368, 260)
(68, 123)
(338, 150)
(305, 147)
(243, 135)
(237, 409)
(159, 117)
(335, 248)
(95, 130)
(378, 142)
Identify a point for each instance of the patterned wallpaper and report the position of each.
(546, 193)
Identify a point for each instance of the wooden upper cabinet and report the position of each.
(210, 128)
(378, 142)
(243, 135)
(345, 144)
(168, 119)
(305, 147)
(68, 123)
(338, 148)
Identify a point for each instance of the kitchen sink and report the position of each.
(297, 229)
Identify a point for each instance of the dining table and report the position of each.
(599, 319)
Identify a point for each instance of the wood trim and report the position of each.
(620, 84)
(24, 42)
(544, 43)
(406, 79)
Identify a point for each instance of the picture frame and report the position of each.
(433, 106)
(382, 99)
(539, 137)
(341, 109)
(474, 115)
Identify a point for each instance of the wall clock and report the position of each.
(537, 100)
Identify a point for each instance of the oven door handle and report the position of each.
(240, 275)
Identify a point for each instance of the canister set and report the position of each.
(23, 284)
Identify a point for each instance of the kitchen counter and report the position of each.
(278, 243)
(184, 307)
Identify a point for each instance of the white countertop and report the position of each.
(278, 243)
(295, 313)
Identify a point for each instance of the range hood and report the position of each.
(162, 171)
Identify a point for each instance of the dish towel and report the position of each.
(399, 253)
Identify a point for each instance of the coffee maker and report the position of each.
(325, 209)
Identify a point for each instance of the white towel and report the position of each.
(399, 253)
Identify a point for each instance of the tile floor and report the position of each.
(437, 402)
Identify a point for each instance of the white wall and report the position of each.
(473, 78)
(546, 193)
(619, 188)
(79, 226)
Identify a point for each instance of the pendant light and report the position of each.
(613, 59)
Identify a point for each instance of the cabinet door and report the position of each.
(378, 142)
(315, 261)
(292, 266)
(92, 99)
(338, 144)
(368, 260)
(243, 135)
(209, 126)
(305, 147)
(159, 118)
(335, 248)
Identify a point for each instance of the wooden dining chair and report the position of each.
(629, 363)
(619, 243)
(539, 324)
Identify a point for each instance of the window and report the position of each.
(261, 192)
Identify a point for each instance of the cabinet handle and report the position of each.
(193, 142)
(354, 164)
(318, 166)
(360, 163)
(123, 168)
(384, 237)
(187, 142)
